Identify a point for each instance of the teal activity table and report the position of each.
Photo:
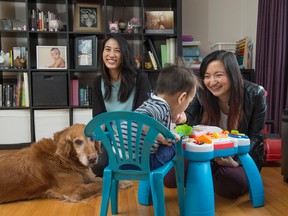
(199, 196)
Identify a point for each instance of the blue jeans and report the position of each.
(164, 154)
(159, 158)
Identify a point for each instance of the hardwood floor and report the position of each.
(276, 202)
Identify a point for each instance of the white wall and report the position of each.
(214, 21)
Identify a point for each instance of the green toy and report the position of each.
(184, 129)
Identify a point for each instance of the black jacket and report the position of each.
(253, 120)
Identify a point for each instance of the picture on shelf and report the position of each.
(86, 52)
(87, 17)
(159, 22)
(51, 57)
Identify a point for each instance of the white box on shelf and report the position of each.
(15, 126)
(229, 47)
(47, 122)
(82, 116)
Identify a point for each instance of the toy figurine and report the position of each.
(113, 27)
(122, 25)
(20, 62)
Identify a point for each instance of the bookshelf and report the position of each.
(49, 102)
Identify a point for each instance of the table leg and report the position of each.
(199, 196)
(254, 179)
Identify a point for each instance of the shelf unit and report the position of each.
(20, 126)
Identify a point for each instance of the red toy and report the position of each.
(272, 143)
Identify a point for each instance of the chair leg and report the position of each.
(106, 189)
(144, 192)
(157, 190)
(179, 172)
(114, 197)
(254, 179)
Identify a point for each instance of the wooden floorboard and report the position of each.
(276, 202)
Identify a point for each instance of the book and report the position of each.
(164, 55)
(26, 89)
(153, 61)
(74, 93)
(160, 22)
(1, 104)
(19, 89)
(155, 54)
(171, 50)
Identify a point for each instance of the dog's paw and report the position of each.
(124, 184)
(98, 179)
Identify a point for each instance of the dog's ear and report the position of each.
(64, 145)
(58, 135)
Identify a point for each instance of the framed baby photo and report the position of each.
(86, 52)
(87, 17)
(51, 57)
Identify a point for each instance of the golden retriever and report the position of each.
(52, 168)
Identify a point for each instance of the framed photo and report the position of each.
(87, 17)
(86, 52)
(51, 57)
(161, 22)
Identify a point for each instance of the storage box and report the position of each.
(82, 116)
(229, 47)
(49, 89)
(47, 122)
(190, 51)
(15, 126)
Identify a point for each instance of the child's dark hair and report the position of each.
(175, 78)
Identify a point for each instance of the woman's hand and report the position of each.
(226, 161)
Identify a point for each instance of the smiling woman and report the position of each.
(231, 103)
(121, 86)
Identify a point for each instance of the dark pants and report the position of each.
(228, 182)
(103, 161)
(161, 156)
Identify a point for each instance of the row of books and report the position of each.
(41, 21)
(168, 51)
(80, 96)
(15, 92)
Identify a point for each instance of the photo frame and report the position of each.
(86, 52)
(51, 57)
(87, 17)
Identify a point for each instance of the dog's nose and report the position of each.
(92, 158)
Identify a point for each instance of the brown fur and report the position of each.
(52, 168)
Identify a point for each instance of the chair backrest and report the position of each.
(124, 140)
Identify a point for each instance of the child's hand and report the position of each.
(177, 137)
(179, 118)
(168, 142)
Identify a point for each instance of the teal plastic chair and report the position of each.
(119, 155)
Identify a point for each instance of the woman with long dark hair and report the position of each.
(121, 86)
(231, 103)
